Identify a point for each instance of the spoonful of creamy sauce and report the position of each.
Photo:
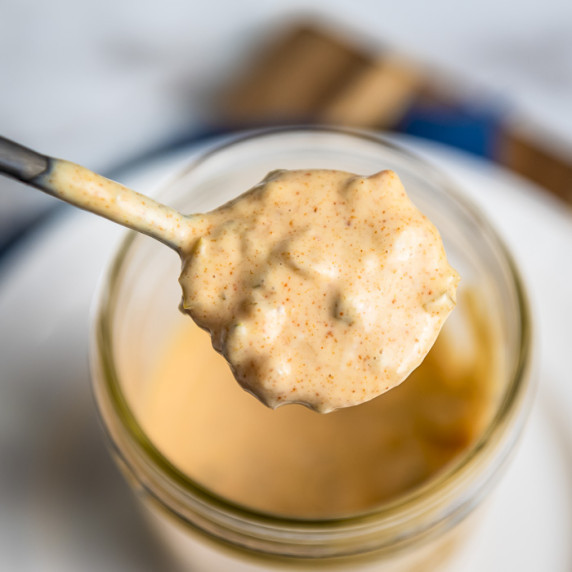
(319, 287)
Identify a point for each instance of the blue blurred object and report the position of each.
(470, 128)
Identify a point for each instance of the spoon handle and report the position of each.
(20, 162)
(92, 192)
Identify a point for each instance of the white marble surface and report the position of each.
(97, 81)
(100, 81)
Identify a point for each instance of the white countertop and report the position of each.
(97, 82)
(100, 82)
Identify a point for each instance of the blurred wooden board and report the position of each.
(314, 75)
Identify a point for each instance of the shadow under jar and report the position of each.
(389, 484)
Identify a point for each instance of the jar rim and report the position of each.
(402, 507)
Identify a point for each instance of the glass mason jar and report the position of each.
(137, 308)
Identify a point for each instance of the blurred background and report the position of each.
(108, 84)
(101, 83)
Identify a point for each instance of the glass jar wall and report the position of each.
(461, 428)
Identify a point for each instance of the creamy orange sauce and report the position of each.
(296, 463)
(319, 287)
